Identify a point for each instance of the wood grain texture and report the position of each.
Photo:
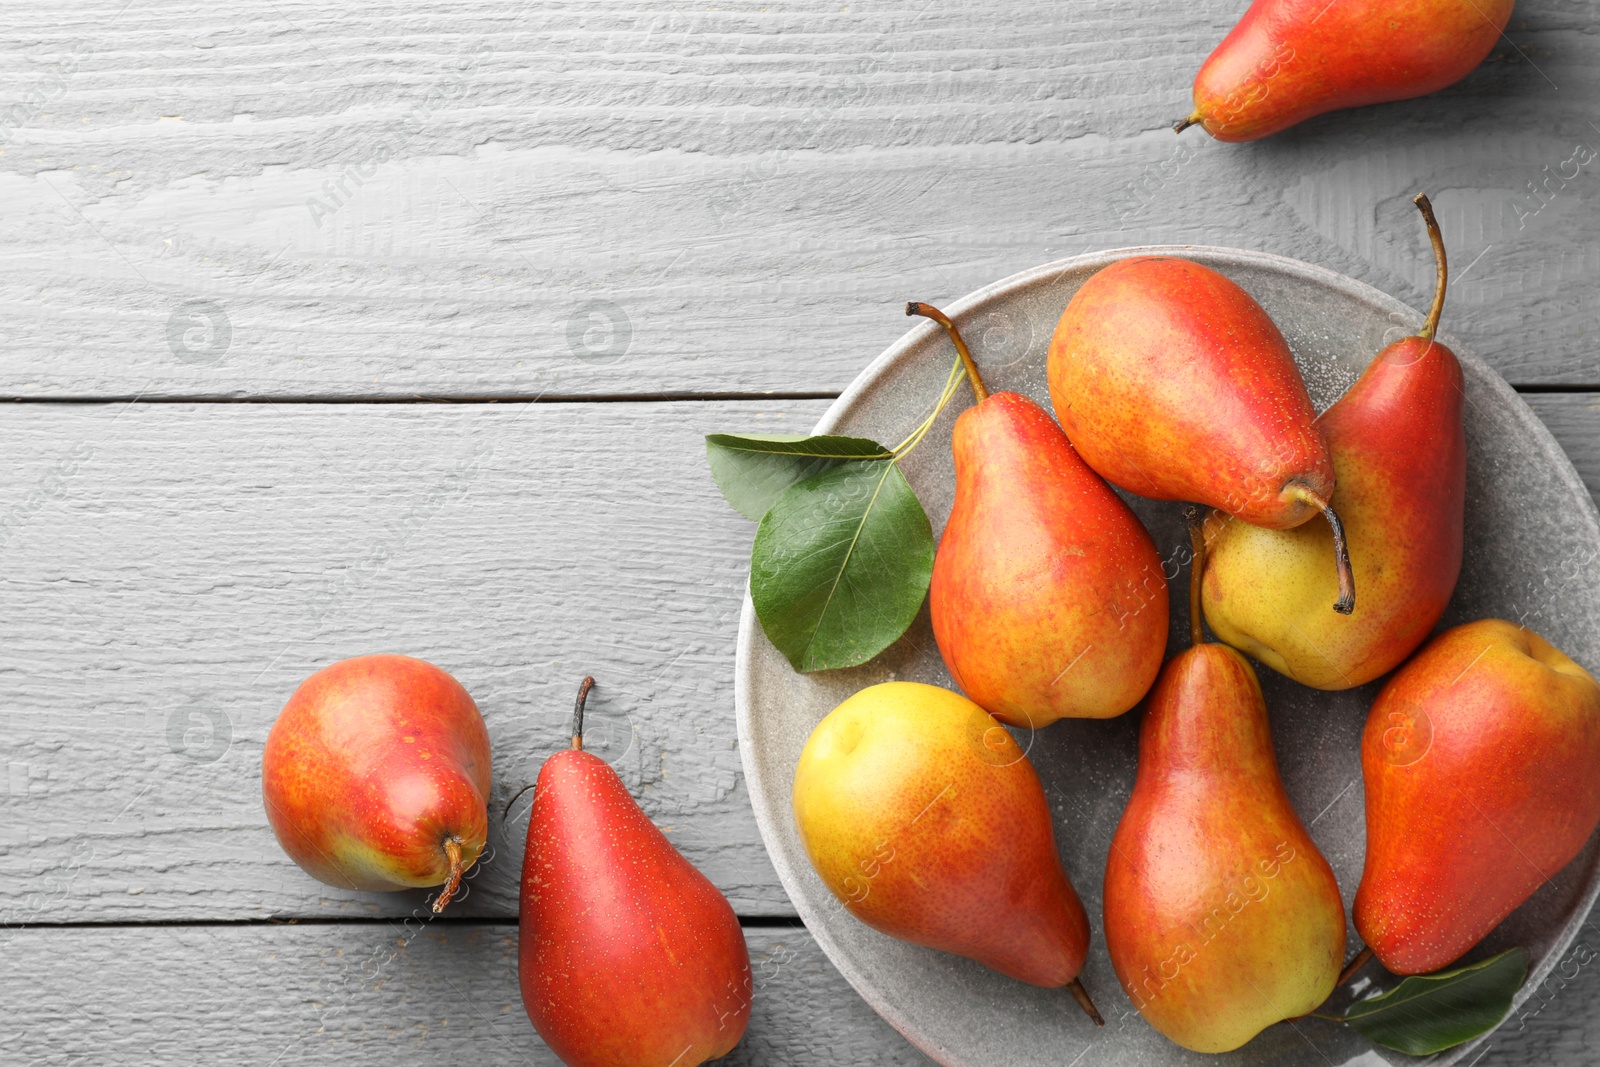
(1557, 1024)
(291, 201)
(288, 200)
(401, 993)
(1574, 419)
(413, 992)
(173, 571)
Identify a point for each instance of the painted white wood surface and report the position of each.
(369, 993)
(173, 571)
(406, 993)
(293, 199)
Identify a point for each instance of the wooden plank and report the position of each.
(406, 993)
(1574, 418)
(173, 570)
(1557, 1024)
(205, 200)
(430, 993)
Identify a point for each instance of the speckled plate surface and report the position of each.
(1531, 530)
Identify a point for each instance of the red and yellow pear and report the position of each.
(1221, 916)
(923, 816)
(375, 776)
(628, 956)
(1288, 60)
(1048, 600)
(1400, 454)
(1173, 383)
(1479, 759)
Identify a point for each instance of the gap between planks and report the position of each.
(486, 399)
(552, 398)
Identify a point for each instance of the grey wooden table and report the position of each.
(335, 329)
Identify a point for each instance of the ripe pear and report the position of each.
(627, 955)
(1173, 383)
(1048, 600)
(1479, 758)
(925, 819)
(374, 776)
(1400, 453)
(1288, 60)
(1221, 916)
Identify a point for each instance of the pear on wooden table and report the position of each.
(627, 955)
(1288, 60)
(375, 775)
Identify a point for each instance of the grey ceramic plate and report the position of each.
(1531, 530)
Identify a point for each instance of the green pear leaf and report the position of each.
(1429, 1013)
(841, 564)
(753, 470)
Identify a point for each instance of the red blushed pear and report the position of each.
(1288, 60)
(1047, 598)
(1221, 916)
(1480, 761)
(923, 816)
(628, 956)
(1173, 383)
(375, 774)
(1400, 451)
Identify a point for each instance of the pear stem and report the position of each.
(1081, 995)
(1341, 550)
(577, 712)
(1197, 540)
(577, 738)
(452, 851)
(1363, 958)
(1432, 323)
(1183, 124)
(928, 311)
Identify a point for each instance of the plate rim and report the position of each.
(884, 363)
